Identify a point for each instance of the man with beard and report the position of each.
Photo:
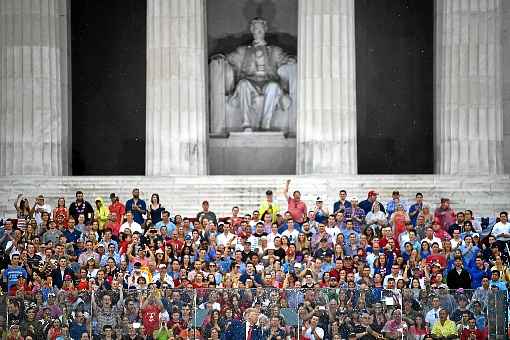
(80, 206)
(137, 207)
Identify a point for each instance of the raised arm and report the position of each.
(16, 202)
(286, 189)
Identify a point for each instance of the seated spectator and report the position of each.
(444, 328)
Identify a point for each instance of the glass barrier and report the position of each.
(274, 314)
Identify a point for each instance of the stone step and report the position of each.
(485, 195)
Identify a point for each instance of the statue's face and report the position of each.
(258, 30)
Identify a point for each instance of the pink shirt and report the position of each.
(297, 209)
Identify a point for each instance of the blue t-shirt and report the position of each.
(137, 214)
(12, 274)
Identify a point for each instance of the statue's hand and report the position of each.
(218, 56)
(291, 61)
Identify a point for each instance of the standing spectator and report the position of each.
(101, 214)
(367, 204)
(342, 203)
(459, 223)
(458, 277)
(391, 207)
(137, 207)
(166, 222)
(416, 208)
(13, 271)
(155, 209)
(39, 207)
(151, 309)
(81, 207)
(268, 206)
(61, 213)
(61, 273)
(321, 213)
(444, 214)
(206, 213)
(501, 230)
(295, 206)
(22, 211)
(119, 209)
(314, 332)
(131, 224)
(52, 234)
(479, 271)
(355, 213)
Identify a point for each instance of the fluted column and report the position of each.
(176, 88)
(468, 104)
(33, 87)
(326, 117)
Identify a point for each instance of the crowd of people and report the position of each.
(364, 269)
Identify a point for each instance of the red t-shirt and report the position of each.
(120, 210)
(436, 258)
(297, 209)
(150, 319)
(464, 335)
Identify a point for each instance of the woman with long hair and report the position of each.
(418, 330)
(369, 234)
(155, 209)
(45, 223)
(302, 243)
(92, 268)
(425, 249)
(23, 213)
(61, 213)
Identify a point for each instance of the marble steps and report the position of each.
(485, 195)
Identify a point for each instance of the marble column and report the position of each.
(468, 83)
(176, 88)
(326, 115)
(34, 115)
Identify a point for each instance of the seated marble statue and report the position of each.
(256, 69)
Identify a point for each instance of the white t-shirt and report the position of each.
(292, 235)
(133, 227)
(333, 232)
(434, 240)
(311, 335)
(224, 239)
(37, 215)
(500, 228)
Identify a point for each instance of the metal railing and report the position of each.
(221, 313)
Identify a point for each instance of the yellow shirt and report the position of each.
(274, 210)
(447, 329)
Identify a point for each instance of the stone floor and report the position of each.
(485, 195)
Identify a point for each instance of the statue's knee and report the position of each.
(244, 84)
(272, 87)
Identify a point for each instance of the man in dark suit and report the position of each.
(458, 277)
(245, 330)
(58, 274)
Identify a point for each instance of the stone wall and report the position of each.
(505, 38)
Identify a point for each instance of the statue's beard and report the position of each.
(259, 41)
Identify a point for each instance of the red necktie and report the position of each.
(249, 333)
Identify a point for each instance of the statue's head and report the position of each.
(258, 27)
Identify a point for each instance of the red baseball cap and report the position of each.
(372, 193)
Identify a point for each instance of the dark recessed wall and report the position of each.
(108, 86)
(394, 86)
